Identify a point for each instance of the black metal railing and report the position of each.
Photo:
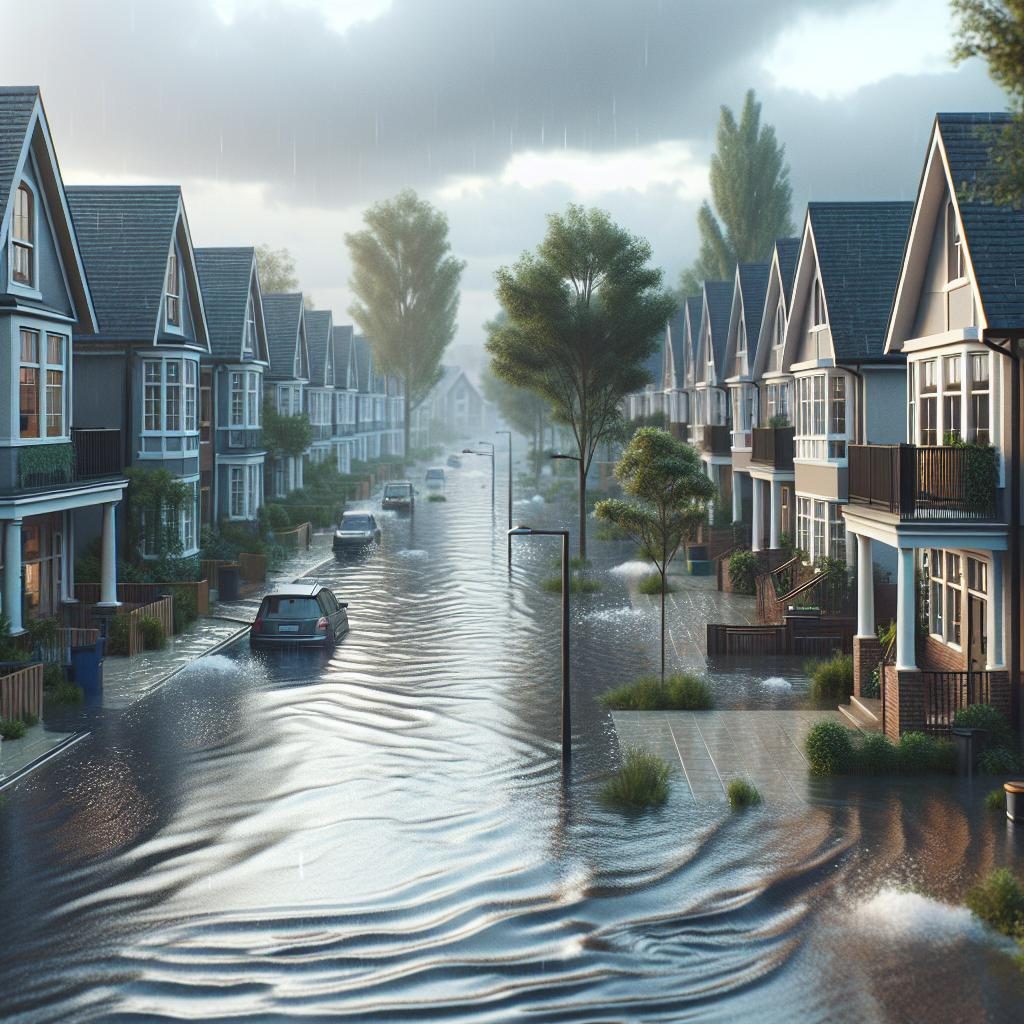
(945, 693)
(940, 482)
(716, 440)
(98, 452)
(90, 455)
(773, 446)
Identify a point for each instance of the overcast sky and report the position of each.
(283, 119)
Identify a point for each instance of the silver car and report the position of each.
(356, 530)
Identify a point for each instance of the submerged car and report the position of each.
(302, 614)
(454, 462)
(398, 495)
(434, 477)
(356, 530)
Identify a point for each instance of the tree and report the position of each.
(406, 284)
(750, 188)
(994, 30)
(523, 410)
(672, 492)
(276, 271)
(285, 436)
(583, 313)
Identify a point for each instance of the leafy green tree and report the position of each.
(752, 198)
(670, 492)
(406, 284)
(285, 435)
(994, 31)
(276, 271)
(583, 313)
(155, 499)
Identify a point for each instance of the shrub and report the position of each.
(877, 756)
(832, 679)
(683, 692)
(12, 728)
(577, 585)
(652, 585)
(117, 635)
(743, 569)
(778, 421)
(153, 636)
(53, 676)
(998, 900)
(995, 800)
(918, 753)
(68, 693)
(185, 610)
(436, 497)
(998, 761)
(829, 748)
(984, 716)
(874, 685)
(641, 782)
(742, 794)
(30, 719)
(276, 517)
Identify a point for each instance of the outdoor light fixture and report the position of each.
(528, 531)
(508, 433)
(559, 455)
(490, 455)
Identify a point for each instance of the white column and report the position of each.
(108, 558)
(865, 588)
(68, 569)
(12, 574)
(757, 515)
(906, 611)
(737, 498)
(994, 612)
(775, 515)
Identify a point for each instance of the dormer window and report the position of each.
(955, 269)
(297, 364)
(818, 318)
(741, 339)
(23, 237)
(249, 343)
(172, 302)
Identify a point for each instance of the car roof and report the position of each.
(350, 512)
(436, 469)
(399, 483)
(296, 590)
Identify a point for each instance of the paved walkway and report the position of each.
(711, 748)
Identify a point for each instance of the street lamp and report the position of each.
(508, 433)
(490, 455)
(582, 485)
(526, 531)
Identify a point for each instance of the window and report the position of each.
(928, 407)
(55, 349)
(28, 384)
(954, 247)
(818, 318)
(188, 521)
(253, 399)
(818, 525)
(945, 594)
(803, 524)
(249, 343)
(191, 382)
(818, 405)
(284, 395)
(778, 336)
(23, 237)
(951, 397)
(237, 490)
(777, 396)
(297, 363)
(836, 532)
(977, 576)
(837, 424)
(980, 397)
(170, 395)
(237, 399)
(172, 390)
(173, 297)
(152, 395)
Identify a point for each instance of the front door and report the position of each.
(976, 631)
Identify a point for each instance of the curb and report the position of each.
(24, 770)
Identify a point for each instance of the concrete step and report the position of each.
(871, 707)
(859, 718)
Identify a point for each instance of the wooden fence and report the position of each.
(299, 538)
(802, 636)
(55, 649)
(21, 690)
(161, 610)
(144, 593)
(252, 568)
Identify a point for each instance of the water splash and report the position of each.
(618, 616)
(909, 916)
(776, 683)
(633, 569)
(412, 553)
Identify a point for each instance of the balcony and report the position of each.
(918, 483)
(91, 455)
(245, 438)
(716, 440)
(773, 446)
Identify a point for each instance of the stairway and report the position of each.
(864, 713)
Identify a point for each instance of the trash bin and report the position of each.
(969, 744)
(1014, 800)
(87, 668)
(229, 580)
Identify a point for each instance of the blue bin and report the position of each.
(87, 668)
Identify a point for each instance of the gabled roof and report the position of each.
(342, 338)
(677, 344)
(319, 325)
(126, 233)
(859, 250)
(364, 364)
(227, 276)
(694, 307)
(787, 252)
(24, 129)
(717, 307)
(748, 306)
(284, 317)
(654, 362)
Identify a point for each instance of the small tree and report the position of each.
(156, 498)
(671, 492)
(285, 435)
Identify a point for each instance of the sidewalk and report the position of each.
(128, 680)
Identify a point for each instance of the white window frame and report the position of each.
(816, 440)
(172, 299)
(178, 400)
(29, 244)
(946, 594)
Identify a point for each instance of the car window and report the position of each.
(281, 606)
(326, 602)
(357, 523)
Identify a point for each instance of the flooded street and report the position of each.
(387, 835)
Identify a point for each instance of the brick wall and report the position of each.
(939, 657)
(867, 653)
(904, 702)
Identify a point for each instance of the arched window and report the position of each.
(23, 237)
(954, 245)
(818, 308)
(173, 301)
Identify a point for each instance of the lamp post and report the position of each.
(582, 484)
(526, 531)
(508, 433)
(490, 455)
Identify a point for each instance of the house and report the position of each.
(847, 388)
(370, 402)
(454, 410)
(673, 375)
(650, 402)
(285, 380)
(345, 397)
(947, 503)
(319, 394)
(394, 417)
(137, 371)
(750, 285)
(692, 309)
(231, 386)
(771, 439)
(51, 469)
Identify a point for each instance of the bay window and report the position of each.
(28, 384)
(42, 377)
(170, 396)
(938, 393)
(172, 393)
(777, 401)
(821, 423)
(55, 362)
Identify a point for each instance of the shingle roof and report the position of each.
(342, 336)
(753, 278)
(124, 234)
(318, 337)
(363, 363)
(677, 334)
(789, 252)
(16, 106)
(282, 314)
(694, 309)
(719, 299)
(860, 251)
(994, 233)
(225, 275)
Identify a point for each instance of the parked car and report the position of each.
(304, 614)
(454, 462)
(434, 477)
(356, 530)
(399, 494)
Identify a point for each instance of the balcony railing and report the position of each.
(245, 437)
(941, 482)
(716, 440)
(92, 454)
(773, 446)
(945, 693)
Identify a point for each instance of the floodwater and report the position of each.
(387, 835)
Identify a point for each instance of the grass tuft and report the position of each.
(831, 679)
(436, 497)
(641, 782)
(998, 900)
(577, 585)
(12, 728)
(683, 692)
(742, 794)
(652, 585)
(995, 800)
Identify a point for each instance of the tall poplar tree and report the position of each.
(752, 198)
(406, 284)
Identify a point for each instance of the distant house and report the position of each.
(51, 469)
(453, 410)
(231, 392)
(286, 380)
(138, 370)
(320, 392)
(345, 397)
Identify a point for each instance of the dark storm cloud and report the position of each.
(429, 89)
